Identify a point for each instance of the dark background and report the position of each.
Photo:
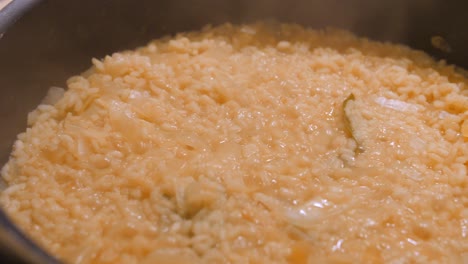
(58, 38)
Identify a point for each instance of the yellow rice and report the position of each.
(249, 144)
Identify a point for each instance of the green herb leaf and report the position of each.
(347, 123)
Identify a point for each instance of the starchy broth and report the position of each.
(249, 144)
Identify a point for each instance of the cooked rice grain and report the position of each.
(230, 145)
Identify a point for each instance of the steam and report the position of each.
(379, 20)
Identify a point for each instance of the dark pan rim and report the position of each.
(12, 239)
(19, 245)
(13, 11)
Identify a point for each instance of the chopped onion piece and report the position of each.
(53, 95)
(396, 104)
(307, 214)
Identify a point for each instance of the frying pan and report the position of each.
(44, 42)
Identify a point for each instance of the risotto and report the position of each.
(249, 144)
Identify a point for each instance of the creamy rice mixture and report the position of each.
(249, 144)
